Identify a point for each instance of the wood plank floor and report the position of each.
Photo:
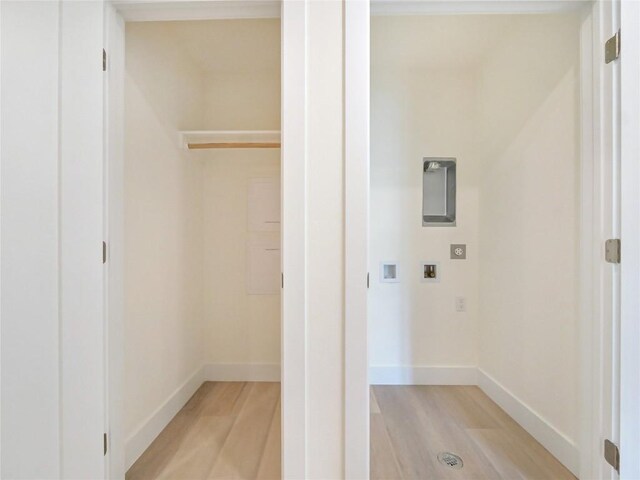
(227, 430)
(410, 425)
(231, 430)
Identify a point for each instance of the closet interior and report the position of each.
(202, 249)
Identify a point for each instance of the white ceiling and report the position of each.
(230, 45)
(438, 41)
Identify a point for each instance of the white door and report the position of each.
(630, 235)
(52, 203)
(81, 199)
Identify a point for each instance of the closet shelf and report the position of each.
(203, 139)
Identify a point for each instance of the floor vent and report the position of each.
(449, 459)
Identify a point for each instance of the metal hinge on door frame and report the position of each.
(612, 48)
(105, 440)
(104, 60)
(612, 454)
(612, 252)
(104, 252)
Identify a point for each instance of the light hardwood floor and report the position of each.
(227, 430)
(410, 425)
(231, 430)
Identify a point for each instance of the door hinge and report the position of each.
(612, 252)
(104, 252)
(104, 60)
(367, 279)
(105, 443)
(612, 454)
(612, 48)
(282, 279)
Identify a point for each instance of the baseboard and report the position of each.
(150, 428)
(242, 372)
(409, 375)
(554, 441)
(559, 445)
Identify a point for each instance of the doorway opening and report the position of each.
(476, 198)
(201, 249)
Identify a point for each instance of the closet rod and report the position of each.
(199, 146)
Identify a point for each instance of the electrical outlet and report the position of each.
(461, 304)
(458, 251)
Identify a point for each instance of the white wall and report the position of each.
(239, 328)
(163, 272)
(243, 100)
(186, 302)
(511, 119)
(416, 114)
(294, 230)
(529, 219)
(29, 358)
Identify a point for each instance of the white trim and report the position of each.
(593, 406)
(241, 372)
(476, 7)
(587, 269)
(150, 428)
(630, 235)
(602, 346)
(556, 442)
(423, 375)
(356, 241)
(170, 10)
(114, 235)
(594, 415)
(294, 238)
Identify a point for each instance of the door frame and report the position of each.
(597, 414)
(630, 235)
(294, 200)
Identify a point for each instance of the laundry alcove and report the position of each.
(474, 198)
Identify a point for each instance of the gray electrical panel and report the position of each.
(438, 192)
